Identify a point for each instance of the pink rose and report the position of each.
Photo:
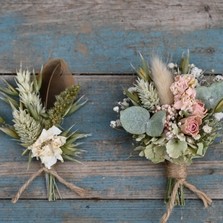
(198, 109)
(190, 125)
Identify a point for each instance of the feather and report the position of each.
(163, 79)
(56, 77)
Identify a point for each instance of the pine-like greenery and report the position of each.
(62, 105)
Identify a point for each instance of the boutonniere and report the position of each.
(173, 113)
(39, 104)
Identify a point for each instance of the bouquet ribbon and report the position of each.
(78, 190)
(179, 172)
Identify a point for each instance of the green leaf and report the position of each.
(134, 119)
(200, 150)
(155, 153)
(2, 120)
(175, 148)
(155, 125)
(10, 132)
(134, 97)
(184, 64)
(144, 72)
(219, 107)
(211, 96)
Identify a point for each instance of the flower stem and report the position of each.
(180, 199)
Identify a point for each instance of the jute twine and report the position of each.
(179, 172)
(78, 190)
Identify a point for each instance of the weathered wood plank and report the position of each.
(111, 180)
(90, 211)
(106, 36)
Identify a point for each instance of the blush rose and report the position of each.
(190, 125)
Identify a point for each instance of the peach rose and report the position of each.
(190, 125)
(198, 109)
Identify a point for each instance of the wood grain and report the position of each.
(105, 36)
(121, 211)
(111, 180)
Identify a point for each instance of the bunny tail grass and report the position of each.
(163, 80)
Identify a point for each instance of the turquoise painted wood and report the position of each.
(89, 211)
(100, 40)
(106, 36)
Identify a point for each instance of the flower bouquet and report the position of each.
(173, 113)
(39, 104)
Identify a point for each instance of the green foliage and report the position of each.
(210, 95)
(147, 93)
(70, 148)
(134, 119)
(155, 125)
(184, 64)
(144, 71)
(155, 153)
(27, 128)
(175, 148)
(63, 104)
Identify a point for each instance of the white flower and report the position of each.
(116, 109)
(171, 65)
(218, 78)
(47, 146)
(113, 124)
(218, 116)
(196, 72)
(207, 129)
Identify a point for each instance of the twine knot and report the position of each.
(179, 172)
(176, 171)
(78, 190)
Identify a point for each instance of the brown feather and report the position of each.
(56, 77)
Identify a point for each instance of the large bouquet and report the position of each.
(39, 104)
(173, 113)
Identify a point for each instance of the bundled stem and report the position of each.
(78, 190)
(179, 173)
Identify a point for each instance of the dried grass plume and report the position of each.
(163, 79)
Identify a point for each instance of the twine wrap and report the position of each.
(179, 172)
(78, 190)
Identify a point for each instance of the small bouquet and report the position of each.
(39, 104)
(173, 113)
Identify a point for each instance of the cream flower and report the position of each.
(47, 146)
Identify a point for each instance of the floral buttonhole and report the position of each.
(39, 104)
(173, 113)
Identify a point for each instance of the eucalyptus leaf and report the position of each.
(176, 148)
(210, 95)
(134, 119)
(155, 125)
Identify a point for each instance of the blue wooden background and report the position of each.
(100, 40)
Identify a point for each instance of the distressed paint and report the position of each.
(105, 37)
(111, 179)
(94, 211)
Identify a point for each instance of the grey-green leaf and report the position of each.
(134, 119)
(175, 148)
(155, 125)
(210, 95)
